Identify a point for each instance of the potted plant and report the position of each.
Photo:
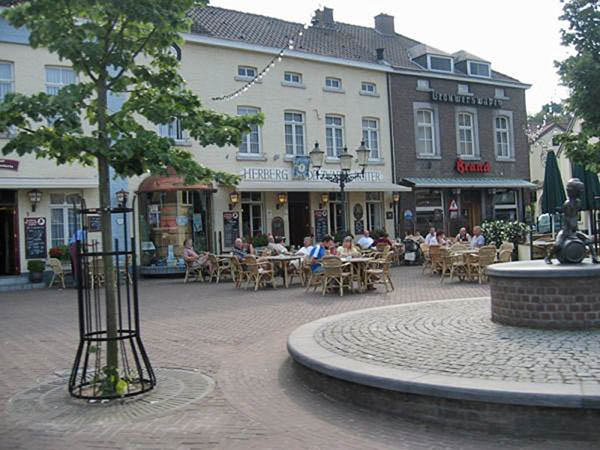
(36, 269)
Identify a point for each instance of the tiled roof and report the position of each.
(475, 182)
(343, 40)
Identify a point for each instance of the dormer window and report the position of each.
(478, 69)
(440, 63)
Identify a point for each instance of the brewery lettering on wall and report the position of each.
(466, 99)
(472, 167)
(284, 174)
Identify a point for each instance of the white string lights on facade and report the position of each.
(260, 75)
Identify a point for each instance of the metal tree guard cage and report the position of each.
(91, 377)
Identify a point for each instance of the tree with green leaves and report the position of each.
(124, 47)
(581, 74)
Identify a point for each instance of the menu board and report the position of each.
(359, 227)
(35, 237)
(321, 228)
(231, 228)
(94, 224)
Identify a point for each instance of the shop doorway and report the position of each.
(299, 217)
(9, 242)
(470, 206)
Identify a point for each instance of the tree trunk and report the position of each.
(112, 352)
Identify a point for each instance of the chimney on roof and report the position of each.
(384, 23)
(323, 18)
(380, 55)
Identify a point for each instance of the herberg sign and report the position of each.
(466, 99)
(285, 174)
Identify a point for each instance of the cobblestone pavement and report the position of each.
(459, 339)
(238, 338)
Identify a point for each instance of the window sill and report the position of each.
(334, 90)
(424, 89)
(376, 162)
(428, 156)
(469, 158)
(247, 79)
(498, 159)
(250, 157)
(290, 158)
(293, 85)
(368, 94)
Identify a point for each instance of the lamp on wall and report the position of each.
(234, 199)
(324, 200)
(35, 197)
(281, 199)
(122, 197)
(395, 199)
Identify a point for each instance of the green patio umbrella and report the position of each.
(592, 186)
(554, 193)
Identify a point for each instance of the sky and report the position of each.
(520, 37)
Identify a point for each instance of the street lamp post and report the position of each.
(344, 176)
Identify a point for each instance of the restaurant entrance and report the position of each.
(299, 217)
(470, 206)
(8, 233)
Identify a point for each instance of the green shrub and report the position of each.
(260, 240)
(377, 233)
(340, 235)
(497, 231)
(36, 265)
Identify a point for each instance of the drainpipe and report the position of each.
(392, 152)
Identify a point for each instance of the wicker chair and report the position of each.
(426, 256)
(436, 260)
(192, 270)
(258, 272)
(505, 256)
(457, 247)
(237, 272)
(378, 272)
(486, 257)
(57, 271)
(220, 267)
(333, 271)
(507, 246)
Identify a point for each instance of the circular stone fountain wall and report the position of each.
(539, 295)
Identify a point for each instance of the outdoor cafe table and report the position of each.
(284, 260)
(359, 266)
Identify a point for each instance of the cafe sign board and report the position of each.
(470, 100)
(286, 174)
(9, 164)
(463, 167)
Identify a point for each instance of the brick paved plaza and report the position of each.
(238, 338)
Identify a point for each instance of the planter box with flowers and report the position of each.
(497, 231)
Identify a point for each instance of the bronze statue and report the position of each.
(571, 244)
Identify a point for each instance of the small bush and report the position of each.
(260, 240)
(340, 235)
(498, 231)
(36, 265)
(376, 234)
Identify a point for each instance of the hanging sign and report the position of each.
(301, 168)
(35, 237)
(9, 164)
(463, 167)
(453, 206)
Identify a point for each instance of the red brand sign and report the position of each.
(470, 167)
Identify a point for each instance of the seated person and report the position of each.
(418, 238)
(366, 241)
(317, 253)
(190, 256)
(463, 236)
(277, 246)
(385, 239)
(347, 248)
(478, 240)
(240, 251)
(430, 239)
(440, 238)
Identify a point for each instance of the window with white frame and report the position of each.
(499, 93)
(292, 77)
(333, 83)
(370, 134)
(246, 71)
(7, 78)
(294, 132)
(252, 214)
(337, 220)
(57, 78)
(440, 63)
(479, 69)
(502, 130)
(425, 132)
(368, 88)
(505, 204)
(172, 130)
(466, 142)
(374, 211)
(251, 140)
(334, 135)
(463, 89)
(64, 220)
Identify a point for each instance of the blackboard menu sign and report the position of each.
(35, 237)
(321, 228)
(359, 227)
(94, 224)
(231, 228)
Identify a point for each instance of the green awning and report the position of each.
(467, 183)
(553, 196)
